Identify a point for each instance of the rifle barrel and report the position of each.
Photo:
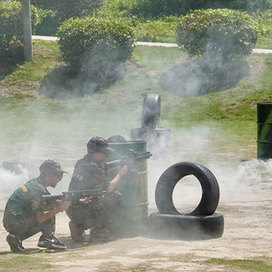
(51, 196)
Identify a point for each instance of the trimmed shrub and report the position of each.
(11, 31)
(84, 39)
(223, 38)
(230, 34)
(95, 51)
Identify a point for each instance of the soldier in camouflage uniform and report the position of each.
(23, 216)
(89, 173)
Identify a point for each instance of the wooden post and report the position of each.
(27, 30)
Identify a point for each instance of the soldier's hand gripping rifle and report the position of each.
(130, 161)
(49, 201)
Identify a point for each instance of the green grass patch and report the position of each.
(158, 58)
(46, 55)
(248, 265)
(239, 103)
(265, 43)
(24, 263)
(163, 30)
(233, 110)
(25, 79)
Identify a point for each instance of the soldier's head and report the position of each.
(98, 147)
(51, 172)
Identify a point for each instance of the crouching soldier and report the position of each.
(24, 217)
(97, 215)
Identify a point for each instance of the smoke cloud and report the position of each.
(64, 139)
(239, 181)
(96, 72)
(58, 131)
(202, 76)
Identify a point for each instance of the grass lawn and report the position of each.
(15, 262)
(233, 110)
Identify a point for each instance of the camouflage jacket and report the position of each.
(24, 202)
(88, 174)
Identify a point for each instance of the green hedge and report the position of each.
(11, 32)
(230, 34)
(82, 39)
(95, 50)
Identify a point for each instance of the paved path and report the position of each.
(50, 38)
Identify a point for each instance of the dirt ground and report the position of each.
(245, 202)
(247, 235)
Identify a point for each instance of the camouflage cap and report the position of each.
(50, 167)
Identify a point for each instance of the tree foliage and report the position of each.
(11, 30)
(69, 8)
(153, 9)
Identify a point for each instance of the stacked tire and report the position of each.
(157, 138)
(203, 222)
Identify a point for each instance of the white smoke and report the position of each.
(64, 139)
(10, 180)
(40, 133)
(239, 181)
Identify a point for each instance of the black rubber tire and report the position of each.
(171, 176)
(151, 111)
(186, 227)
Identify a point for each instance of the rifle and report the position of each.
(48, 201)
(130, 161)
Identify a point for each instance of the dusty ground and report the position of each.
(245, 202)
(247, 235)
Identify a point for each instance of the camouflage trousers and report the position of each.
(97, 214)
(28, 226)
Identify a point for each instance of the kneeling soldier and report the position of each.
(24, 217)
(97, 215)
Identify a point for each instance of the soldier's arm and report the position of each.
(43, 216)
(113, 183)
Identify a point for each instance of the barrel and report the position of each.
(264, 139)
(132, 216)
